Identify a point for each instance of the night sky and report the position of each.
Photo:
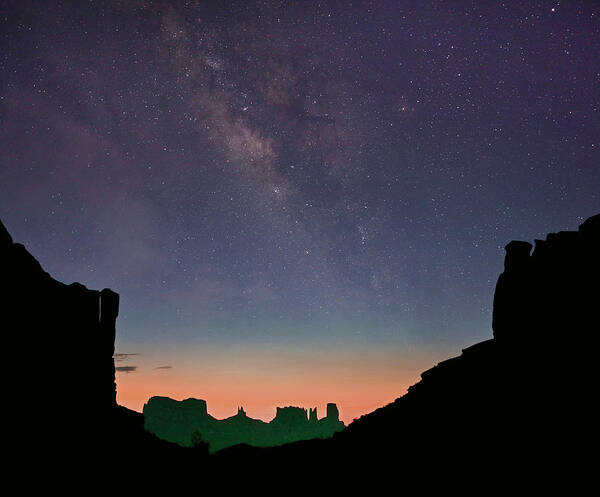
(298, 202)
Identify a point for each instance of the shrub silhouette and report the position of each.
(198, 443)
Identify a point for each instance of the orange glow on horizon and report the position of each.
(357, 386)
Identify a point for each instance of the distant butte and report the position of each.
(515, 408)
(183, 421)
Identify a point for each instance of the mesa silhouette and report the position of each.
(188, 423)
(519, 403)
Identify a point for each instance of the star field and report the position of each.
(280, 189)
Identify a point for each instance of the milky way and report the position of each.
(315, 194)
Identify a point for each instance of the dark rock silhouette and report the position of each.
(61, 409)
(65, 331)
(181, 421)
(516, 406)
(519, 405)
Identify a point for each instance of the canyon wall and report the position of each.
(59, 345)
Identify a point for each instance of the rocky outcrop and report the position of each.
(504, 408)
(60, 392)
(517, 407)
(532, 380)
(63, 333)
(179, 421)
(540, 296)
(333, 414)
(290, 415)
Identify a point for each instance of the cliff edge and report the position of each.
(519, 403)
(61, 406)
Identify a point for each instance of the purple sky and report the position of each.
(321, 182)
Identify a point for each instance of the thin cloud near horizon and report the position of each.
(126, 369)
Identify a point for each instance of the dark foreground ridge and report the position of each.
(59, 344)
(517, 404)
(188, 422)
